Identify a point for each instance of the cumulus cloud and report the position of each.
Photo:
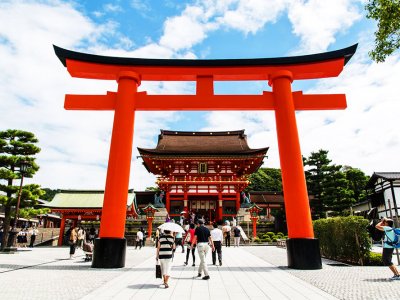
(75, 144)
(318, 22)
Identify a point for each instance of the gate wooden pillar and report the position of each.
(298, 215)
(111, 244)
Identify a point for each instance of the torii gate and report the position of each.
(302, 248)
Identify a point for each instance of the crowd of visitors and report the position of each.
(195, 235)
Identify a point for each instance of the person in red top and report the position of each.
(189, 239)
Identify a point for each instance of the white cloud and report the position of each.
(249, 16)
(318, 22)
(75, 144)
(109, 7)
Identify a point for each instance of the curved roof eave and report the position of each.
(199, 153)
(64, 54)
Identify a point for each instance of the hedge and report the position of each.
(344, 238)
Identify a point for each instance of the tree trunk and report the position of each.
(6, 228)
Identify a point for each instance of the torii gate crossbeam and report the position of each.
(302, 248)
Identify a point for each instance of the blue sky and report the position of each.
(75, 144)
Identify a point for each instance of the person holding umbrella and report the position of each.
(164, 253)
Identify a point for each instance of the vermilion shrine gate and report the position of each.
(302, 247)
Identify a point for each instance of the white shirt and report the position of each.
(216, 235)
(226, 228)
(139, 235)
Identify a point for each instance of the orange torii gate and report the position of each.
(302, 248)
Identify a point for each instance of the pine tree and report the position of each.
(16, 146)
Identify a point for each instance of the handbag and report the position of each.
(158, 270)
(188, 238)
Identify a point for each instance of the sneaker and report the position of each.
(220, 263)
(199, 275)
(193, 265)
(206, 277)
(395, 277)
(185, 263)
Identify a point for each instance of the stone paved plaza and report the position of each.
(257, 272)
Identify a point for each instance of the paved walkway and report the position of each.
(257, 272)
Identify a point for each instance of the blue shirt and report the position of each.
(389, 233)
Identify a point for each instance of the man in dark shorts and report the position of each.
(386, 225)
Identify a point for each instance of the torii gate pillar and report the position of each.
(111, 244)
(302, 248)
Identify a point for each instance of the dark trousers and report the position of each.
(139, 243)
(228, 240)
(72, 248)
(33, 238)
(187, 254)
(218, 249)
(178, 242)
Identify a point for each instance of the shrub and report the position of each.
(343, 238)
(374, 259)
(266, 240)
(256, 240)
(274, 239)
(270, 234)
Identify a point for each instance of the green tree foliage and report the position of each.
(17, 146)
(30, 212)
(336, 196)
(49, 194)
(387, 36)
(317, 169)
(357, 182)
(153, 188)
(266, 179)
(334, 187)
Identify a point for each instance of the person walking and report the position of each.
(226, 230)
(157, 236)
(34, 232)
(81, 237)
(139, 239)
(236, 236)
(73, 237)
(144, 236)
(386, 225)
(216, 236)
(189, 239)
(178, 241)
(92, 233)
(164, 253)
(202, 238)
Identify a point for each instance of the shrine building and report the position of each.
(203, 172)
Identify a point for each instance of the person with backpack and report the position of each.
(390, 242)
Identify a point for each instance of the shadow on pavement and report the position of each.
(379, 280)
(144, 286)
